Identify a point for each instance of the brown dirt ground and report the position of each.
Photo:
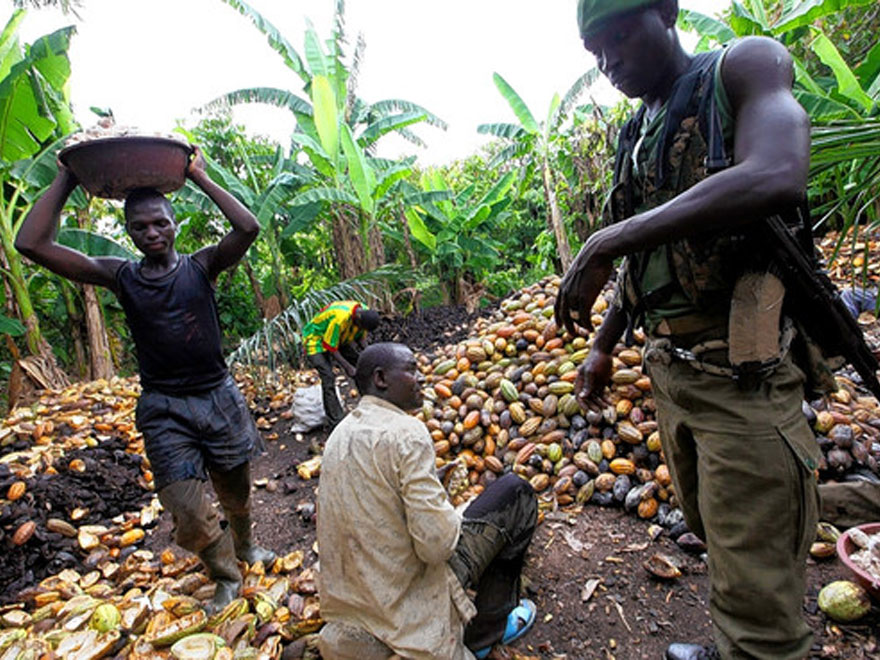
(628, 616)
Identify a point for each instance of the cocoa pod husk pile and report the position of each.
(149, 607)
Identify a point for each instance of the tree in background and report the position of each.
(535, 145)
(337, 130)
(34, 114)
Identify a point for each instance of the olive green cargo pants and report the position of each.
(743, 466)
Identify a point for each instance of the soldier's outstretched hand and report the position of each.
(581, 285)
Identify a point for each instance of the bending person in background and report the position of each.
(194, 420)
(396, 557)
(718, 144)
(336, 335)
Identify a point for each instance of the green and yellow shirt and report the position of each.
(332, 327)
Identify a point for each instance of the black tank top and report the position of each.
(175, 327)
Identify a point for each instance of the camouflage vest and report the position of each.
(690, 147)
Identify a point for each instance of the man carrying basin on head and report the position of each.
(336, 335)
(396, 557)
(718, 145)
(194, 419)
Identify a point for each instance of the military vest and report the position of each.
(687, 142)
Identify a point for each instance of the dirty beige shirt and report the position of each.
(385, 531)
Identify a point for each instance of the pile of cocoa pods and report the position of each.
(503, 400)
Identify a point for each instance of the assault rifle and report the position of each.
(816, 303)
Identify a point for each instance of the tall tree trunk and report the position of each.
(100, 363)
(13, 265)
(255, 287)
(554, 219)
(75, 324)
(350, 257)
(281, 286)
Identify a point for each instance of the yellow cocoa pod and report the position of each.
(540, 482)
(131, 537)
(608, 449)
(529, 427)
(624, 407)
(560, 387)
(605, 482)
(630, 357)
(629, 433)
(16, 490)
(653, 442)
(648, 508)
(622, 466)
(625, 376)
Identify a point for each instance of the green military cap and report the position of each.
(592, 13)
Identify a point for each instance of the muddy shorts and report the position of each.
(184, 436)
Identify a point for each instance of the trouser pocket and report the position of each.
(805, 454)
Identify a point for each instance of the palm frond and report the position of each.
(574, 93)
(279, 341)
(389, 106)
(280, 98)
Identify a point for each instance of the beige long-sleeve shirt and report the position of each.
(385, 532)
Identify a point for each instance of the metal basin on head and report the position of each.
(113, 167)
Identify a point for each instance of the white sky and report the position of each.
(153, 61)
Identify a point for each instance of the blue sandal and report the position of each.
(519, 622)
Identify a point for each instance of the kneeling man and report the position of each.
(396, 558)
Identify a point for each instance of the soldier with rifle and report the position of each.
(707, 211)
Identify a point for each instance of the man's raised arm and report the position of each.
(233, 246)
(36, 238)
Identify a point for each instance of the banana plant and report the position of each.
(338, 132)
(534, 143)
(34, 111)
(269, 201)
(457, 229)
(851, 94)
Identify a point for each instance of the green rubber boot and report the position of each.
(245, 548)
(219, 559)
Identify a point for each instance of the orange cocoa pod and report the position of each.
(648, 508)
(554, 343)
(442, 390)
(489, 448)
(525, 453)
(661, 475)
(493, 463)
(472, 419)
(16, 490)
(24, 532)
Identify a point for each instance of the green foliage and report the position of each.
(841, 95)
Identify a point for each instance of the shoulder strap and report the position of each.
(700, 76)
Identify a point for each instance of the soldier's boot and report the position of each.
(245, 548)
(219, 559)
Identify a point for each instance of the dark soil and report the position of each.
(110, 484)
(427, 328)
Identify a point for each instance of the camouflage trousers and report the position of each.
(743, 467)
